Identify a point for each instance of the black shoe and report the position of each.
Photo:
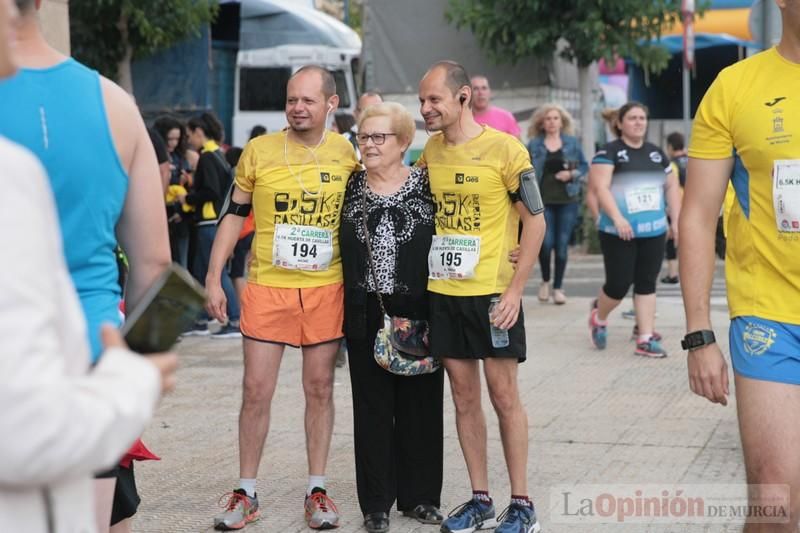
(425, 513)
(670, 280)
(376, 522)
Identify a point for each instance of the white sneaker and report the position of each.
(559, 297)
(215, 326)
(544, 291)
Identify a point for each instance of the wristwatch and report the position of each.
(698, 339)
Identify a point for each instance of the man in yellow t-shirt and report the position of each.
(747, 130)
(475, 174)
(295, 182)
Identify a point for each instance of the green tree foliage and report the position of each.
(510, 30)
(107, 34)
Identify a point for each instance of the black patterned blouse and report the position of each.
(401, 226)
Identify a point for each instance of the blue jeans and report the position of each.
(560, 219)
(205, 238)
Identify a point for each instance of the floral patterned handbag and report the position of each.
(401, 345)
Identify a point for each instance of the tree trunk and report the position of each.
(124, 74)
(587, 76)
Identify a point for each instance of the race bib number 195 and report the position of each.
(302, 247)
(453, 256)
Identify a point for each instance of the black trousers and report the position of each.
(398, 429)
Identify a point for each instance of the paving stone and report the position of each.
(595, 418)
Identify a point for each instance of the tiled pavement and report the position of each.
(595, 417)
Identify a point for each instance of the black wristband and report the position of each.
(698, 339)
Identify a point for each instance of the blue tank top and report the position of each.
(59, 114)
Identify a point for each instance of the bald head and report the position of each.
(455, 75)
(364, 101)
(327, 84)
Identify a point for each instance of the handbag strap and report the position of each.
(369, 245)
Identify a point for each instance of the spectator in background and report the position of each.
(345, 124)
(162, 157)
(103, 173)
(678, 156)
(182, 164)
(212, 182)
(487, 114)
(676, 151)
(610, 117)
(366, 99)
(257, 131)
(237, 268)
(560, 168)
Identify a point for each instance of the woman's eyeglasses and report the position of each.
(377, 138)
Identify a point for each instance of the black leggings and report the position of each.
(636, 262)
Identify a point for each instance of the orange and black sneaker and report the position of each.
(321, 512)
(240, 510)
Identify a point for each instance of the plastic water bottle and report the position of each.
(499, 335)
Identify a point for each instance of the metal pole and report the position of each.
(687, 120)
(766, 41)
(687, 13)
(347, 12)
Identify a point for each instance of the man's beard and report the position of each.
(438, 127)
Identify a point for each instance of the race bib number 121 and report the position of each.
(643, 198)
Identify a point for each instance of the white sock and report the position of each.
(315, 481)
(249, 486)
(597, 319)
(644, 338)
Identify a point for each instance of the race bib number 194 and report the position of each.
(302, 247)
(453, 256)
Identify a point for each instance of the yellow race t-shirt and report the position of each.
(476, 222)
(752, 113)
(297, 201)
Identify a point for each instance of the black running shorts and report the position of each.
(460, 329)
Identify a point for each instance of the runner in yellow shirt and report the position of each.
(483, 185)
(747, 130)
(295, 180)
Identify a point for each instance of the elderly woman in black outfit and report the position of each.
(397, 419)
